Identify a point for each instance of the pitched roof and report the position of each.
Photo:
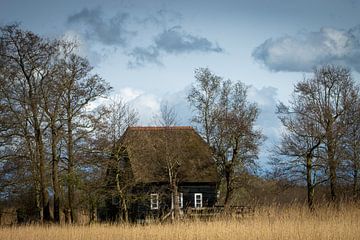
(153, 150)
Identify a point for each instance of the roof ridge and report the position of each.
(154, 128)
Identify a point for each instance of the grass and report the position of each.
(267, 223)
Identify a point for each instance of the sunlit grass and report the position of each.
(266, 223)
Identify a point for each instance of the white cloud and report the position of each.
(83, 48)
(308, 49)
(266, 98)
(178, 101)
(146, 104)
(129, 94)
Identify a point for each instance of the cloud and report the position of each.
(308, 49)
(175, 40)
(129, 94)
(141, 55)
(108, 31)
(148, 106)
(172, 41)
(161, 18)
(145, 103)
(178, 101)
(116, 31)
(266, 99)
(82, 47)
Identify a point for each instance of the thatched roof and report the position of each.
(152, 150)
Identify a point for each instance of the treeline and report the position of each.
(52, 146)
(320, 144)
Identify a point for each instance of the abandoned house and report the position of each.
(155, 164)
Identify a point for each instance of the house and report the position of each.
(154, 161)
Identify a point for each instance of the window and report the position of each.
(229, 154)
(198, 200)
(154, 201)
(181, 200)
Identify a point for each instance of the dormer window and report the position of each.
(154, 201)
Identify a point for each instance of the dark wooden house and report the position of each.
(151, 158)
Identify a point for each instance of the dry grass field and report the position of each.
(267, 223)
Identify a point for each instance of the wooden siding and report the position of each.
(140, 209)
(208, 194)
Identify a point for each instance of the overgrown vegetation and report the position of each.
(294, 222)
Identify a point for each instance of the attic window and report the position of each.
(154, 201)
(198, 200)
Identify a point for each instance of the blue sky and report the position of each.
(148, 50)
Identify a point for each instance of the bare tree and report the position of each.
(167, 116)
(300, 145)
(236, 140)
(28, 62)
(52, 93)
(81, 88)
(351, 145)
(116, 118)
(227, 120)
(44, 93)
(316, 124)
(329, 95)
(202, 97)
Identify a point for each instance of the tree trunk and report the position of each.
(55, 174)
(310, 186)
(71, 171)
(40, 149)
(332, 164)
(39, 211)
(355, 181)
(175, 199)
(92, 212)
(45, 205)
(56, 187)
(126, 211)
(333, 185)
(124, 207)
(228, 186)
(35, 173)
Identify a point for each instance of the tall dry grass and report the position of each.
(267, 223)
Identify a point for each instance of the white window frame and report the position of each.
(154, 201)
(229, 154)
(200, 198)
(181, 200)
